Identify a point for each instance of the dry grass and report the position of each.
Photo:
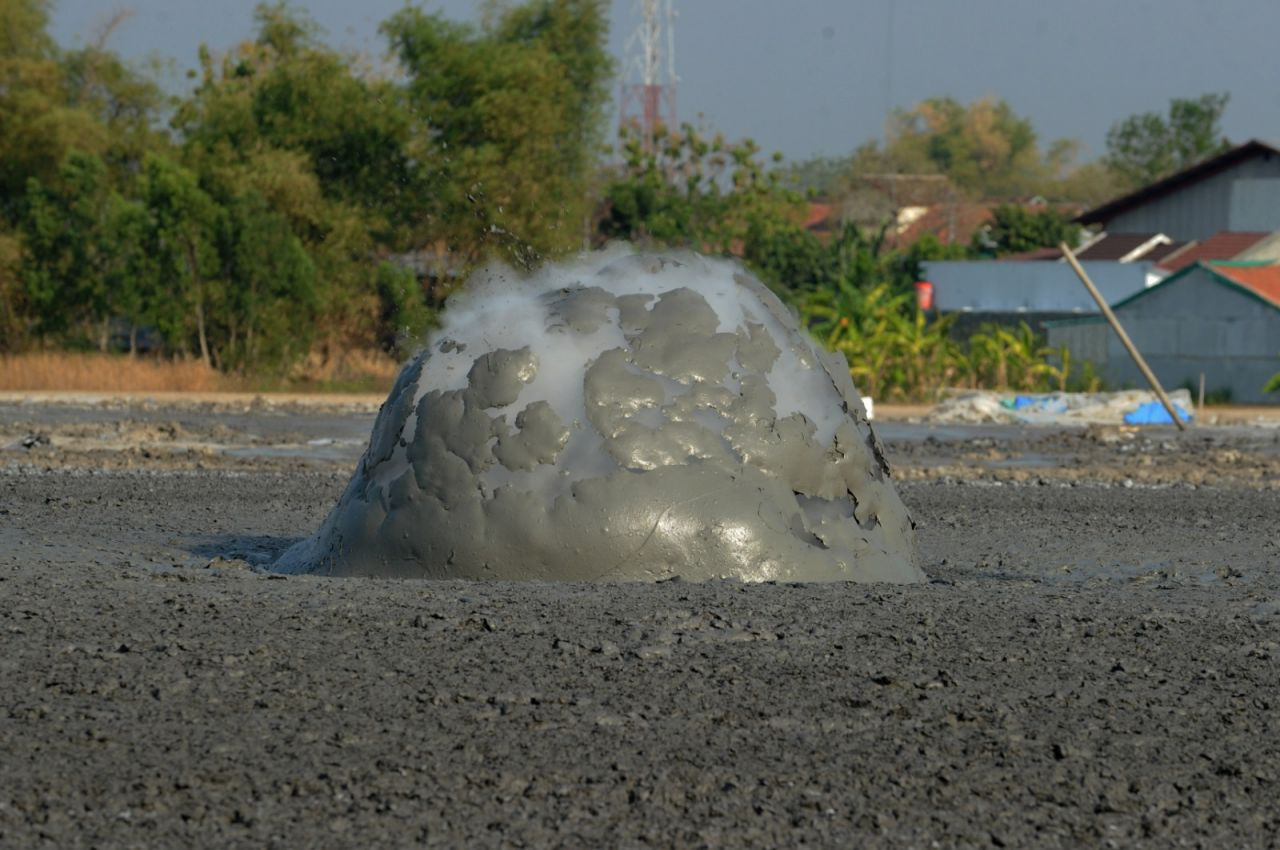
(54, 371)
(345, 372)
(351, 366)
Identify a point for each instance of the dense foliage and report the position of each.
(985, 150)
(1014, 229)
(683, 189)
(981, 150)
(1146, 147)
(897, 354)
(294, 204)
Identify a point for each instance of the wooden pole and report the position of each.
(1124, 337)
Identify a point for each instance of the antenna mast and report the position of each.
(648, 100)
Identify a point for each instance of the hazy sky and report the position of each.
(817, 76)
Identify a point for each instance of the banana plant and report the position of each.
(893, 351)
(1004, 358)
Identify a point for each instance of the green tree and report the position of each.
(258, 233)
(509, 119)
(268, 317)
(687, 188)
(285, 91)
(1015, 228)
(692, 190)
(820, 176)
(1146, 147)
(405, 314)
(290, 134)
(75, 259)
(223, 273)
(785, 255)
(38, 127)
(14, 320)
(120, 99)
(53, 102)
(984, 148)
(1089, 184)
(182, 239)
(73, 128)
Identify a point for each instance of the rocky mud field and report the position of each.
(1094, 661)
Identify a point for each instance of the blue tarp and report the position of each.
(1039, 404)
(1153, 413)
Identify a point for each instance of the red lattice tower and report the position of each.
(648, 100)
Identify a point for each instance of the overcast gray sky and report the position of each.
(810, 77)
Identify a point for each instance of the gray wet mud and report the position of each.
(1090, 665)
(122, 434)
(646, 418)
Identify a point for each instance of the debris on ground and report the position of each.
(1060, 408)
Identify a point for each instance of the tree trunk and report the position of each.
(200, 333)
(193, 268)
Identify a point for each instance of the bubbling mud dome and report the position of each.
(624, 417)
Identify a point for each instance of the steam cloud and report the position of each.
(622, 417)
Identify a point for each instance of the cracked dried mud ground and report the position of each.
(1093, 662)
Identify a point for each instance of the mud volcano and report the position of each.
(630, 417)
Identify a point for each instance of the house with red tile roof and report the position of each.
(951, 222)
(1218, 247)
(1167, 255)
(1217, 319)
(818, 215)
(1261, 280)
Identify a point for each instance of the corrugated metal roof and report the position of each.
(1114, 246)
(1164, 251)
(991, 286)
(1174, 182)
(1220, 246)
(1261, 279)
(1125, 247)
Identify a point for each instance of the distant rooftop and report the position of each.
(1123, 247)
(1220, 246)
(1114, 247)
(1261, 279)
(1174, 182)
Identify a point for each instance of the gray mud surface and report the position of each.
(1094, 662)
(629, 418)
